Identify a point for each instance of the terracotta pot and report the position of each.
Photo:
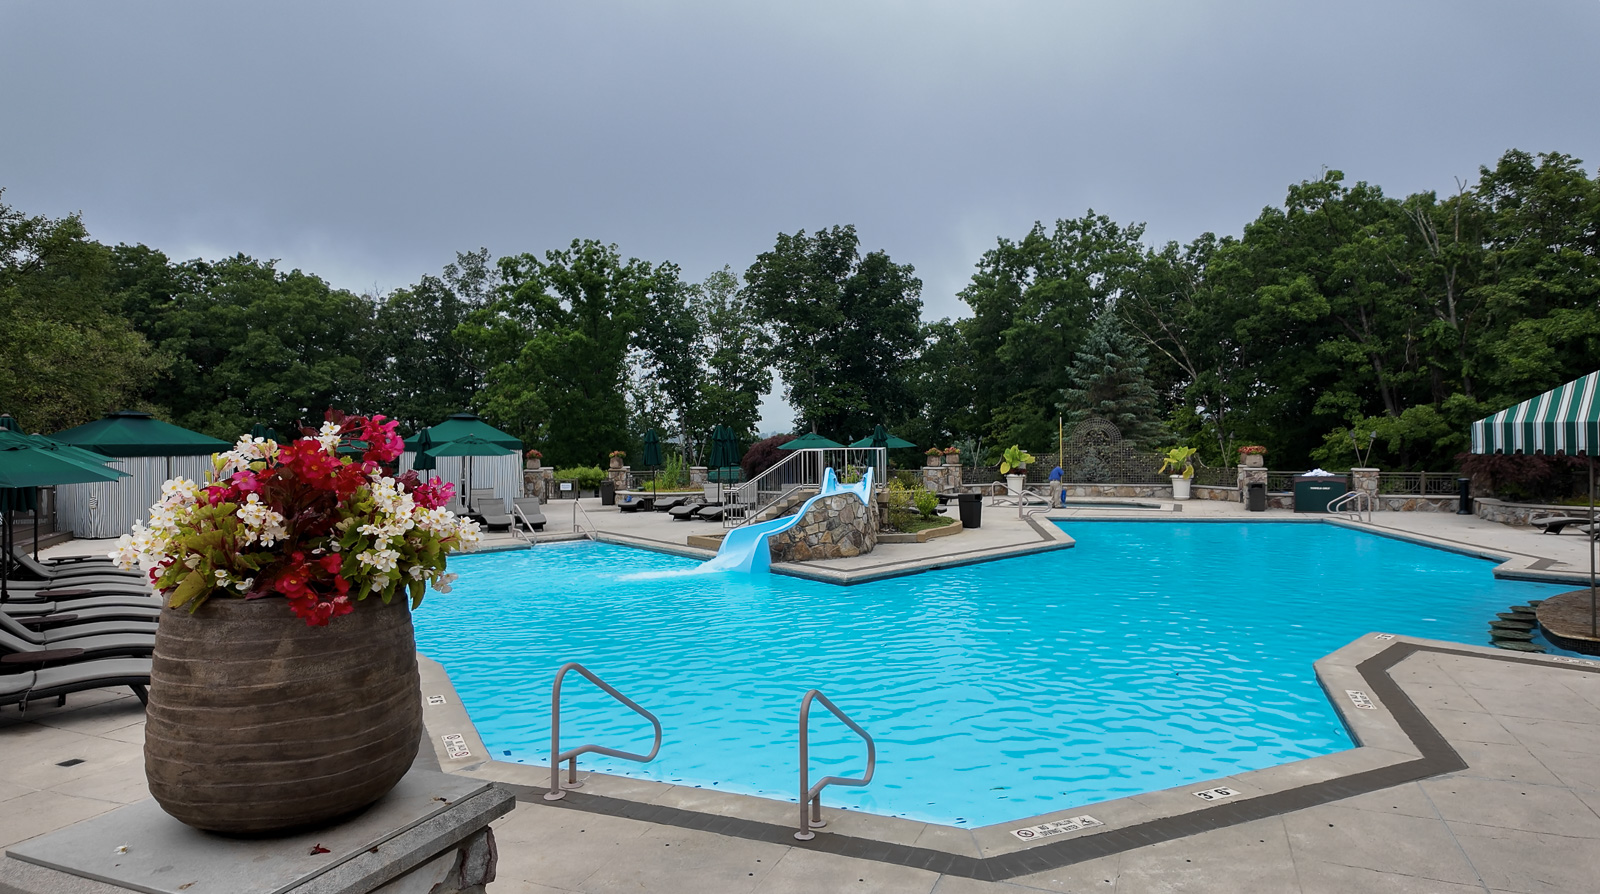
(258, 723)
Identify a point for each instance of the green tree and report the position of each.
(733, 350)
(70, 356)
(424, 371)
(844, 328)
(1108, 380)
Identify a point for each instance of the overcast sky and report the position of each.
(369, 142)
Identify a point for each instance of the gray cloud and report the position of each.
(368, 142)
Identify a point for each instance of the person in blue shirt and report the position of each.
(1055, 479)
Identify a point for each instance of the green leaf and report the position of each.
(194, 585)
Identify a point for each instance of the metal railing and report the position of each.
(576, 528)
(1420, 484)
(557, 787)
(802, 468)
(1354, 504)
(812, 794)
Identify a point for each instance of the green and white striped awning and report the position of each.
(1563, 420)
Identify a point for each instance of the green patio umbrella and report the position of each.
(25, 464)
(652, 448)
(464, 425)
(8, 422)
(469, 447)
(880, 437)
(422, 442)
(810, 441)
(129, 433)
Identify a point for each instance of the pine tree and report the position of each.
(1108, 379)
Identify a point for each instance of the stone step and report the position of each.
(1515, 646)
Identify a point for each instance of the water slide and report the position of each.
(745, 547)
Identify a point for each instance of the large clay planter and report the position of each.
(259, 724)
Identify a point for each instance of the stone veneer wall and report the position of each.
(1490, 509)
(835, 527)
(540, 482)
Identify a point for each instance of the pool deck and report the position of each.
(1479, 770)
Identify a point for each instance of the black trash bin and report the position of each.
(1256, 497)
(1465, 486)
(608, 493)
(971, 507)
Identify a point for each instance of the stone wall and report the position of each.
(1403, 503)
(1518, 514)
(941, 479)
(835, 527)
(539, 483)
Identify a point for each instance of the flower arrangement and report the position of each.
(534, 454)
(617, 454)
(301, 521)
(934, 451)
(951, 451)
(1253, 450)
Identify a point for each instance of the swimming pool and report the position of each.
(1152, 654)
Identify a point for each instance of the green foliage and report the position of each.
(70, 355)
(1108, 380)
(1179, 460)
(1014, 457)
(582, 477)
(844, 328)
(899, 499)
(927, 502)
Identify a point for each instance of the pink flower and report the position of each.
(383, 444)
(434, 494)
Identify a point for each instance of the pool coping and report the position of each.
(1396, 744)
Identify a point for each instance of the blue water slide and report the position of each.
(745, 548)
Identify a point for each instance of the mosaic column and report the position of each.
(1366, 480)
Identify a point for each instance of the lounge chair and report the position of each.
(24, 566)
(664, 504)
(494, 515)
(455, 505)
(61, 634)
(15, 650)
(631, 503)
(528, 513)
(711, 513)
(478, 495)
(686, 511)
(55, 591)
(59, 681)
(41, 615)
(1555, 524)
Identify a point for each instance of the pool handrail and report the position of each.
(812, 794)
(557, 788)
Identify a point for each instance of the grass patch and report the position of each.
(919, 524)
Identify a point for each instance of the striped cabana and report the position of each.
(1564, 420)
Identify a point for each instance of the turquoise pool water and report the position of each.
(1151, 655)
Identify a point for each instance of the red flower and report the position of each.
(383, 445)
(434, 494)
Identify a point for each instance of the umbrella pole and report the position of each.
(1594, 612)
(36, 522)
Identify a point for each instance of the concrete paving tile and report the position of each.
(1252, 856)
(132, 733)
(1449, 697)
(1555, 735)
(41, 767)
(503, 885)
(122, 783)
(1528, 862)
(761, 810)
(1406, 845)
(1540, 703)
(1491, 761)
(950, 884)
(560, 848)
(1404, 800)
(15, 788)
(893, 829)
(36, 813)
(1089, 876)
(1578, 770)
(807, 872)
(669, 860)
(948, 839)
(1469, 726)
(1512, 805)
(1317, 877)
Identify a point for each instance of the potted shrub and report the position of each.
(1253, 456)
(1014, 465)
(284, 689)
(952, 456)
(535, 459)
(1179, 460)
(616, 458)
(935, 456)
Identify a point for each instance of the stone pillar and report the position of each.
(698, 476)
(1247, 477)
(539, 483)
(1366, 480)
(619, 476)
(933, 478)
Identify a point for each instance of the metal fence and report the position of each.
(1421, 484)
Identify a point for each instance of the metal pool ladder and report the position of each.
(557, 788)
(812, 794)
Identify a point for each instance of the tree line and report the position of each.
(1341, 316)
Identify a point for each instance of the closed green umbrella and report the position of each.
(422, 442)
(881, 438)
(260, 430)
(652, 448)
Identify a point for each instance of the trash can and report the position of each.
(971, 507)
(1256, 497)
(1313, 493)
(1465, 487)
(608, 493)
